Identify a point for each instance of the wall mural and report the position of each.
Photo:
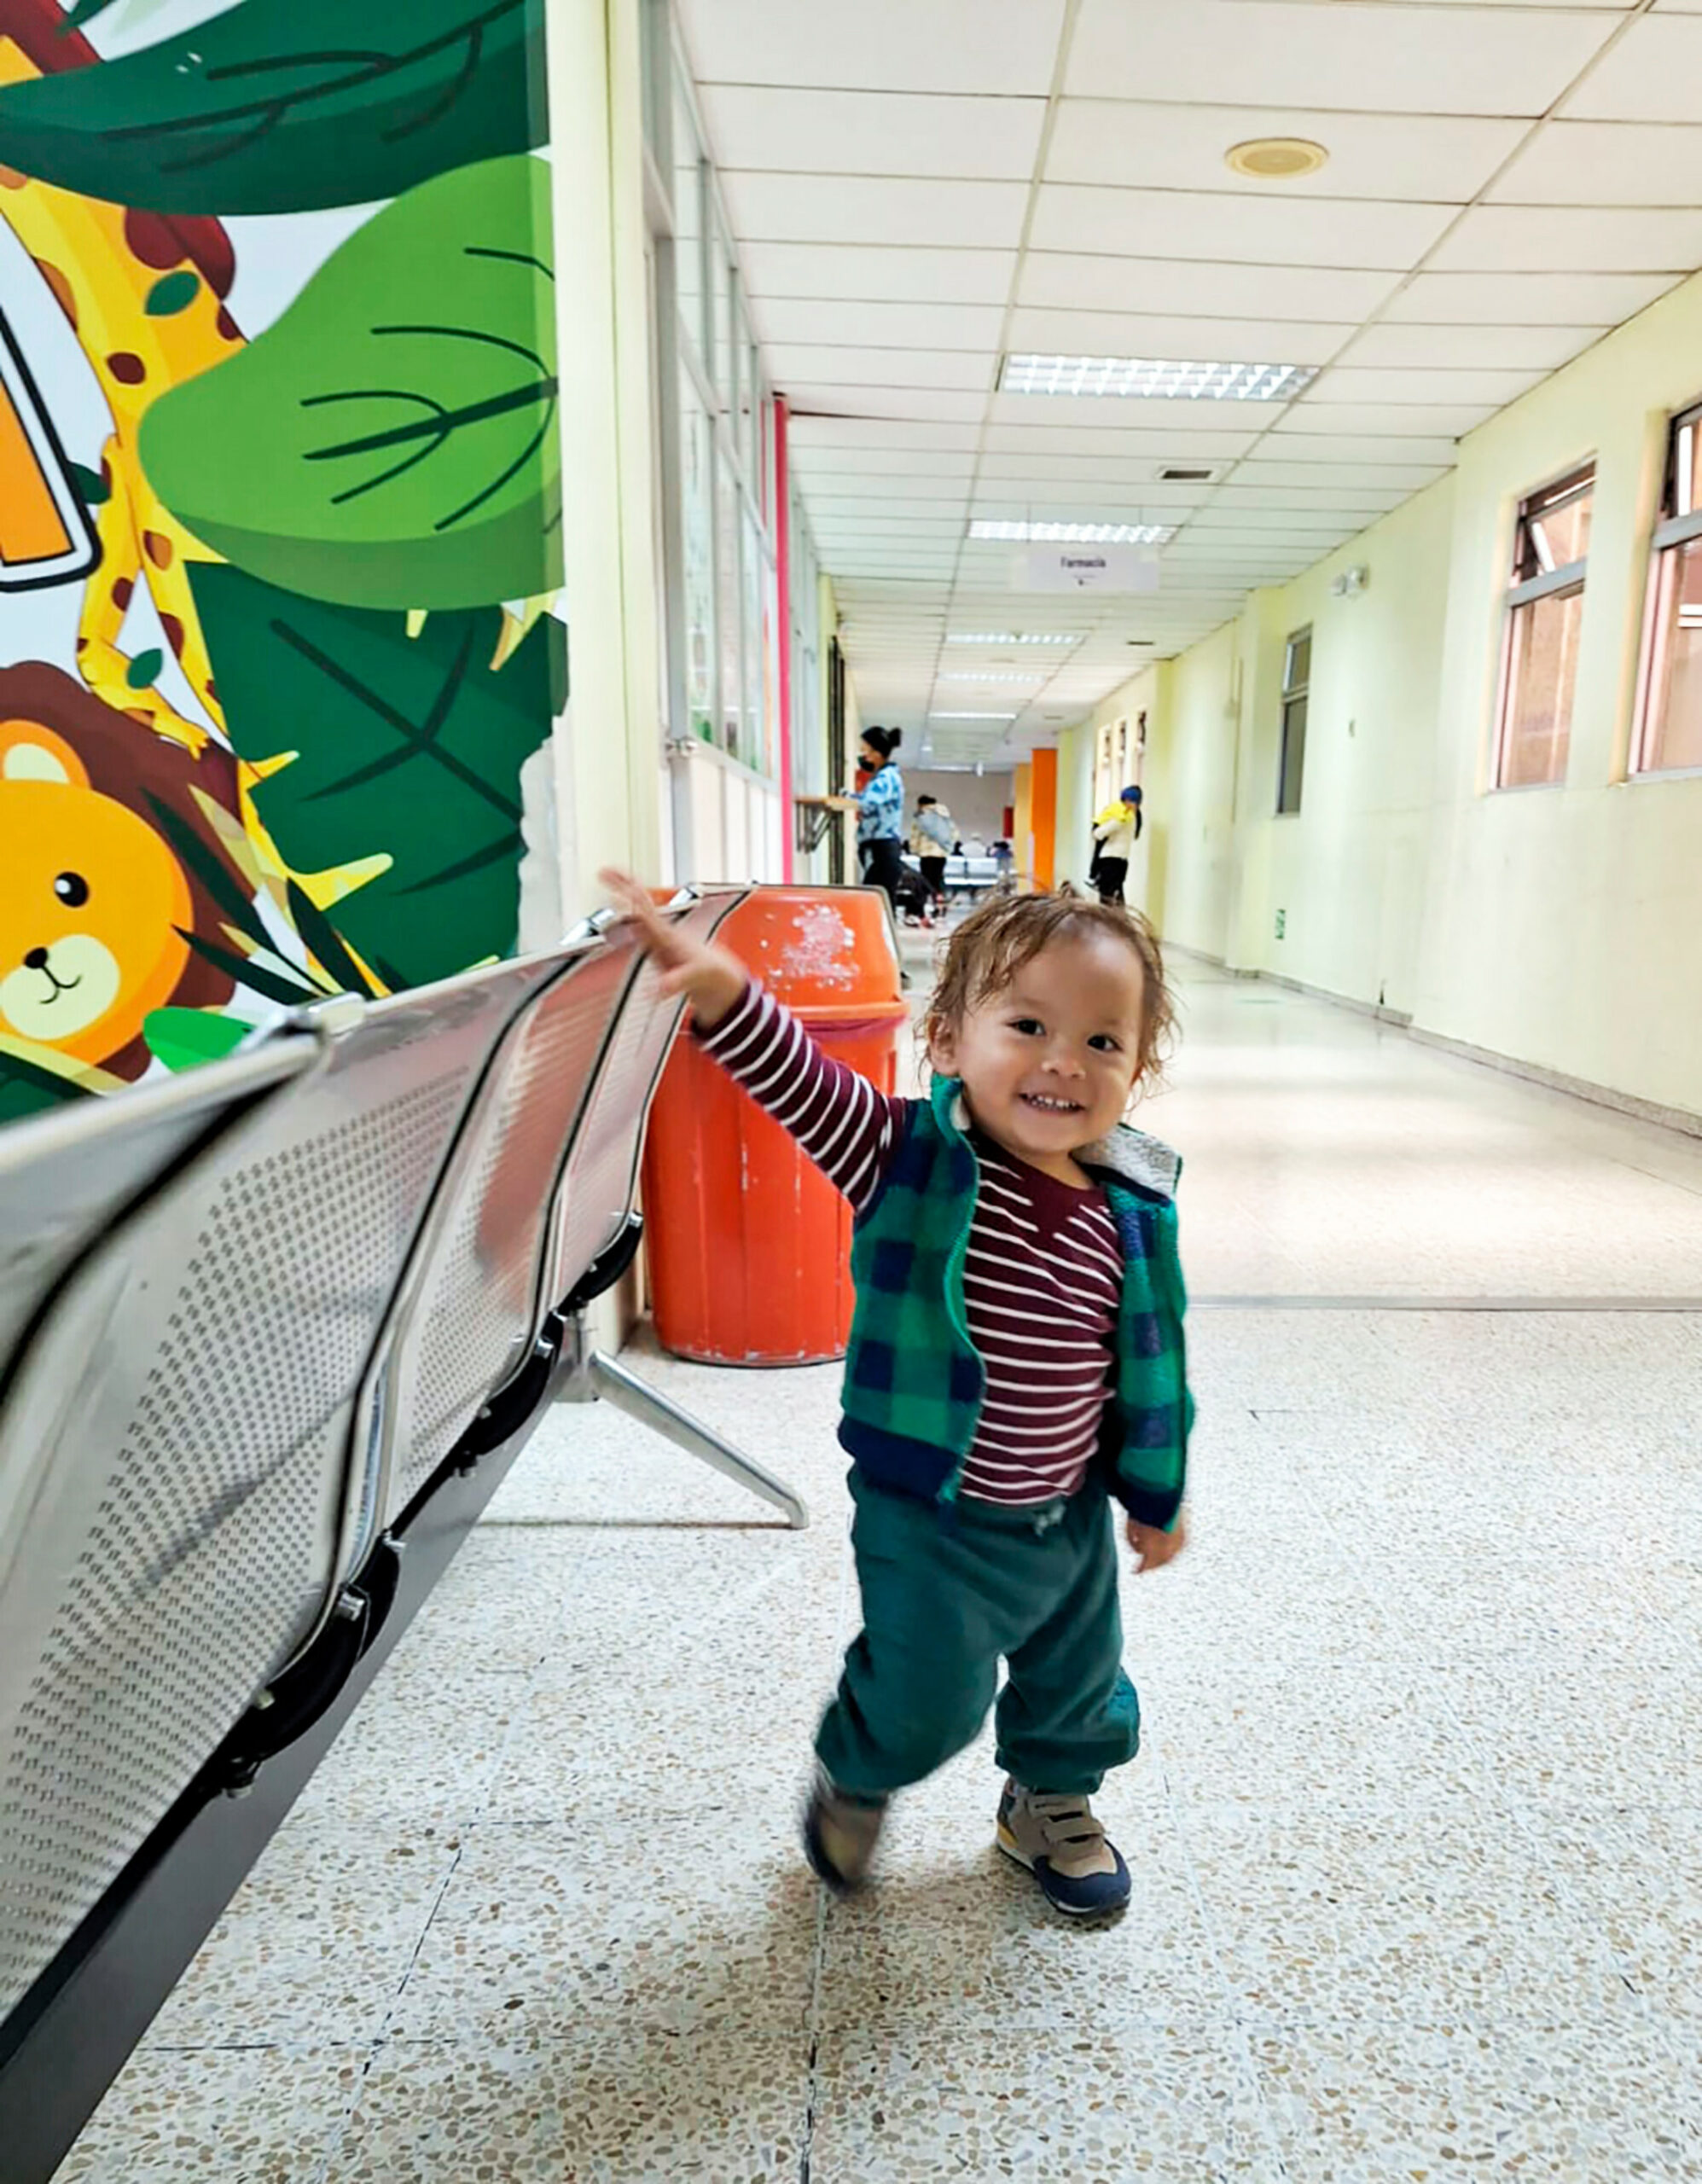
(280, 514)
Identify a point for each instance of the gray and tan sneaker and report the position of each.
(840, 1832)
(1065, 1849)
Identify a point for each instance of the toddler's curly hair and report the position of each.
(994, 943)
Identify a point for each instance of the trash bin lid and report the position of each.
(818, 948)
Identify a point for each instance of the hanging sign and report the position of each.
(1087, 568)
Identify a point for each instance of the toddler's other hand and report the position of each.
(1153, 1548)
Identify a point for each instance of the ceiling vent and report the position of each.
(1181, 473)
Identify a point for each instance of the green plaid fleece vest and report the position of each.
(914, 1382)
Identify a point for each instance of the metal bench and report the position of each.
(270, 1335)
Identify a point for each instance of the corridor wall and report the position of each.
(1559, 927)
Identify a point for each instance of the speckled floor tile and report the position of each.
(548, 1930)
(503, 1605)
(1638, 1875)
(629, 2106)
(1420, 1911)
(1170, 2102)
(234, 2116)
(420, 1746)
(1634, 1735)
(315, 1944)
(1572, 2103)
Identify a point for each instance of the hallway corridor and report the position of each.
(1413, 1835)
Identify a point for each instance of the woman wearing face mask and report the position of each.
(881, 812)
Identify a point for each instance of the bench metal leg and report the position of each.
(594, 1373)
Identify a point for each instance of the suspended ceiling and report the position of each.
(917, 188)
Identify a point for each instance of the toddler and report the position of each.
(1016, 1355)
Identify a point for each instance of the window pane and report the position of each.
(753, 747)
(1675, 734)
(1561, 535)
(697, 532)
(729, 612)
(720, 306)
(1543, 642)
(1293, 754)
(1296, 671)
(688, 223)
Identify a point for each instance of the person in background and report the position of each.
(880, 813)
(1016, 1364)
(1116, 831)
(931, 838)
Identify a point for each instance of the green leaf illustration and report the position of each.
(28, 1089)
(93, 488)
(407, 747)
(391, 439)
(183, 1038)
(144, 671)
(172, 292)
(282, 105)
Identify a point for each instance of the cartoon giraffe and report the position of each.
(112, 272)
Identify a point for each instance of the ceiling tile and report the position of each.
(875, 325)
(1650, 75)
(1015, 471)
(1070, 439)
(1527, 298)
(1291, 523)
(1361, 502)
(1267, 231)
(1410, 60)
(1606, 163)
(1437, 158)
(810, 457)
(1118, 413)
(872, 132)
(851, 489)
(915, 274)
(1282, 462)
(1129, 333)
(1469, 348)
(1431, 419)
(874, 209)
(881, 432)
(792, 364)
(1002, 46)
(1539, 239)
(933, 404)
(1174, 287)
(1425, 384)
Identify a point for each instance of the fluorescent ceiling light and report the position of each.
(934, 716)
(992, 675)
(1015, 637)
(1077, 534)
(1154, 380)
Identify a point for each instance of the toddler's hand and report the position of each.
(710, 979)
(1153, 1548)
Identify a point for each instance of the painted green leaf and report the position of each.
(93, 488)
(172, 292)
(408, 747)
(391, 439)
(28, 1089)
(144, 671)
(282, 105)
(183, 1038)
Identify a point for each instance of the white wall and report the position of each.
(976, 805)
(1560, 928)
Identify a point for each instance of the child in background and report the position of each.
(1016, 1354)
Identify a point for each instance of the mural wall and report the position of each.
(280, 514)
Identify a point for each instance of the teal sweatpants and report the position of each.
(945, 1594)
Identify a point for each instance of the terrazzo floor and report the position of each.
(1416, 1834)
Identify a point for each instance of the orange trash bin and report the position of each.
(749, 1243)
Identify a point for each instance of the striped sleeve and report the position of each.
(847, 1128)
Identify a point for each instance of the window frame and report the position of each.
(1568, 580)
(1672, 531)
(1294, 694)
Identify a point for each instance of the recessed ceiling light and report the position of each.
(1076, 534)
(1275, 159)
(1014, 637)
(934, 716)
(1155, 379)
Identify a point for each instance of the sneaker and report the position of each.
(1065, 1849)
(840, 1832)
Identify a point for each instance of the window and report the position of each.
(1540, 648)
(1670, 707)
(1297, 680)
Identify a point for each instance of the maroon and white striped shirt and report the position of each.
(1044, 1269)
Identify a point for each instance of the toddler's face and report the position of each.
(1049, 1064)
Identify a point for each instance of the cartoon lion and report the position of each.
(97, 901)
